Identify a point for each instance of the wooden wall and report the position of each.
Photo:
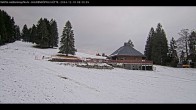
(129, 58)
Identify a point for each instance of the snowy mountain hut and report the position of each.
(130, 58)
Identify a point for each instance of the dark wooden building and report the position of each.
(129, 58)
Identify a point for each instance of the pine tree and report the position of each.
(48, 30)
(30, 36)
(67, 40)
(42, 34)
(12, 30)
(46, 33)
(17, 33)
(53, 34)
(7, 28)
(164, 48)
(25, 33)
(173, 57)
(33, 34)
(159, 46)
(148, 46)
(3, 32)
(156, 46)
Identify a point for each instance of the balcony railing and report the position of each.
(131, 61)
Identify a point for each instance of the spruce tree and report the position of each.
(42, 34)
(53, 34)
(12, 30)
(17, 33)
(48, 30)
(45, 33)
(9, 22)
(164, 48)
(25, 33)
(159, 46)
(30, 36)
(33, 34)
(156, 50)
(148, 46)
(67, 40)
(3, 32)
(7, 28)
(173, 57)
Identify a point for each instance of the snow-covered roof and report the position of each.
(127, 50)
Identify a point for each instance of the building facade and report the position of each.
(129, 58)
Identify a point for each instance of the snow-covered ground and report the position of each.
(26, 78)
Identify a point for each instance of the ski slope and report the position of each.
(25, 79)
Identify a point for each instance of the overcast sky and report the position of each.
(105, 29)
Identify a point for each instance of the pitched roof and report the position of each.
(127, 50)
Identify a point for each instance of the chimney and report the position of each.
(126, 44)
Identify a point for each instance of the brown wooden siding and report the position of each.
(131, 61)
(129, 58)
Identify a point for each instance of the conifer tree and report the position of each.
(67, 40)
(42, 39)
(53, 34)
(46, 33)
(25, 33)
(7, 28)
(12, 30)
(3, 32)
(148, 46)
(164, 48)
(173, 57)
(33, 34)
(17, 33)
(159, 46)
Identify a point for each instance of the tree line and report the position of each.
(44, 34)
(9, 32)
(158, 50)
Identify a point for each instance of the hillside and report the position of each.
(24, 79)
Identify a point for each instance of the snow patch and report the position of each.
(26, 80)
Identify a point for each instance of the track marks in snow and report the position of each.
(26, 80)
(78, 83)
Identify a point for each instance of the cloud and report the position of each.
(105, 29)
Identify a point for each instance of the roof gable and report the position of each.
(127, 50)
